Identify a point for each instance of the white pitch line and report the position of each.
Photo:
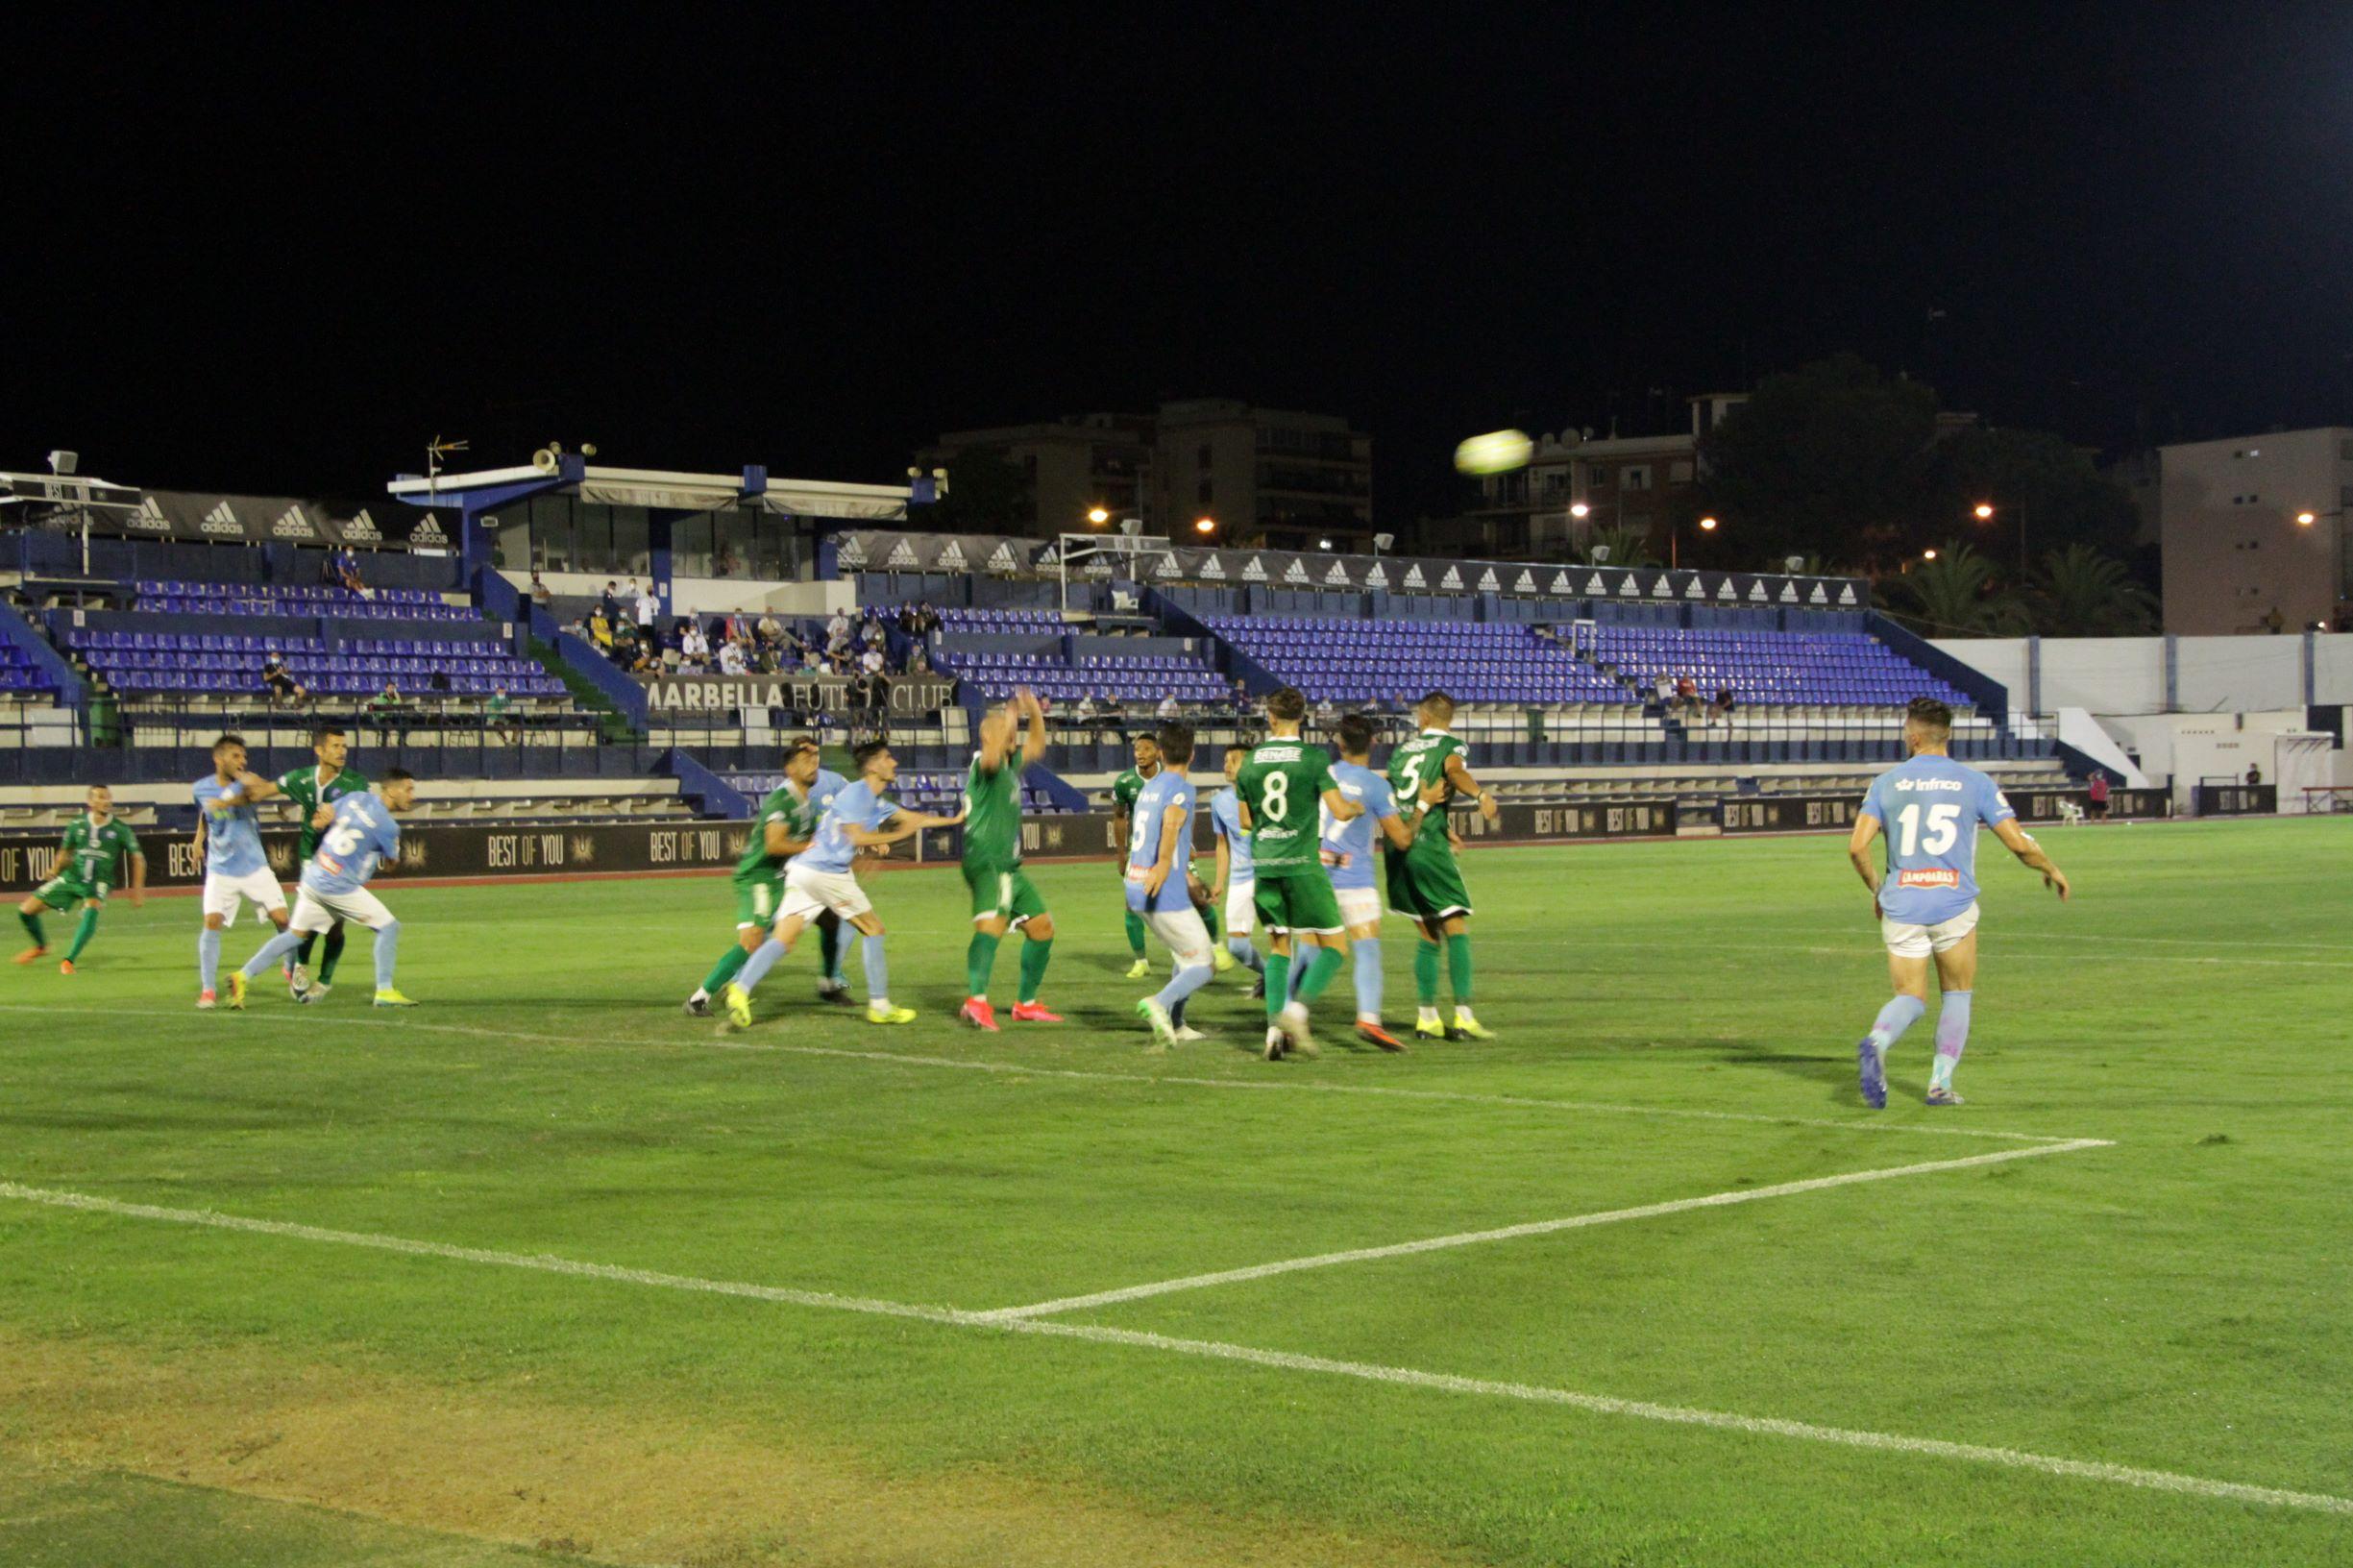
(1278, 1085)
(2119, 1475)
(1512, 1233)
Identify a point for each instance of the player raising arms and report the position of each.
(1348, 849)
(1159, 851)
(360, 837)
(1281, 783)
(229, 838)
(1123, 793)
(315, 791)
(1930, 807)
(1236, 879)
(89, 863)
(783, 827)
(818, 879)
(1424, 880)
(1011, 738)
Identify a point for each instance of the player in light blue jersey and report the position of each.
(1930, 807)
(1237, 878)
(818, 880)
(1348, 853)
(229, 839)
(358, 843)
(1160, 853)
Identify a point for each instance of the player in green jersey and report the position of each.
(1011, 738)
(1425, 882)
(1123, 793)
(781, 828)
(90, 865)
(315, 791)
(1280, 785)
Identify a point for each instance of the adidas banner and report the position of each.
(1181, 565)
(260, 520)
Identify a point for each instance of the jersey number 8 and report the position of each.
(1278, 797)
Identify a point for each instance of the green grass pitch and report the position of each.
(545, 1271)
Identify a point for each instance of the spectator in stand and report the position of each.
(919, 660)
(624, 643)
(2254, 776)
(647, 608)
(910, 620)
(930, 617)
(390, 713)
(1326, 714)
(1721, 709)
(1168, 711)
(812, 662)
(1688, 697)
(498, 716)
(873, 634)
(600, 629)
(696, 648)
(1664, 687)
(541, 594)
(609, 601)
(870, 662)
(837, 631)
(770, 631)
(671, 659)
(1086, 710)
(731, 659)
(2099, 796)
(279, 680)
(765, 658)
(351, 576)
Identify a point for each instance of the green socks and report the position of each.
(335, 954)
(723, 971)
(1215, 921)
(1134, 933)
(82, 932)
(979, 958)
(1457, 969)
(32, 925)
(1321, 968)
(1425, 972)
(1278, 982)
(1034, 956)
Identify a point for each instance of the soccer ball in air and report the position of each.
(1498, 452)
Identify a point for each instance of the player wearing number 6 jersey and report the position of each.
(1280, 785)
(1929, 808)
(334, 887)
(1424, 883)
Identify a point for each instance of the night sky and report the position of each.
(253, 256)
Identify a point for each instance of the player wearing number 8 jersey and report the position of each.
(1279, 784)
(1929, 808)
(1424, 883)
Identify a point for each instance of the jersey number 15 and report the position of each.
(1944, 829)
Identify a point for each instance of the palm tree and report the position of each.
(2080, 593)
(1953, 594)
(1625, 547)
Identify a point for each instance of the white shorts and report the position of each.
(315, 911)
(1241, 907)
(1183, 934)
(1920, 941)
(224, 895)
(1358, 906)
(809, 893)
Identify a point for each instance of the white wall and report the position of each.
(725, 596)
(2112, 676)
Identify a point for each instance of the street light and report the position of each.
(1205, 525)
(1983, 512)
(1707, 525)
(1579, 509)
(1097, 516)
(2305, 520)
(1927, 554)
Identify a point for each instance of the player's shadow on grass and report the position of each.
(1834, 1070)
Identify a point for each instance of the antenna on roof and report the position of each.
(436, 450)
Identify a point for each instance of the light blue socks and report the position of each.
(1951, 1035)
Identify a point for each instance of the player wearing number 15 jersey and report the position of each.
(334, 887)
(1929, 808)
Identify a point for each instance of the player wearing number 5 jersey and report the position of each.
(334, 887)
(1424, 883)
(1280, 785)
(1929, 808)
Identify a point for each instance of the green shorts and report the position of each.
(1424, 883)
(756, 898)
(1002, 892)
(1300, 900)
(63, 893)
